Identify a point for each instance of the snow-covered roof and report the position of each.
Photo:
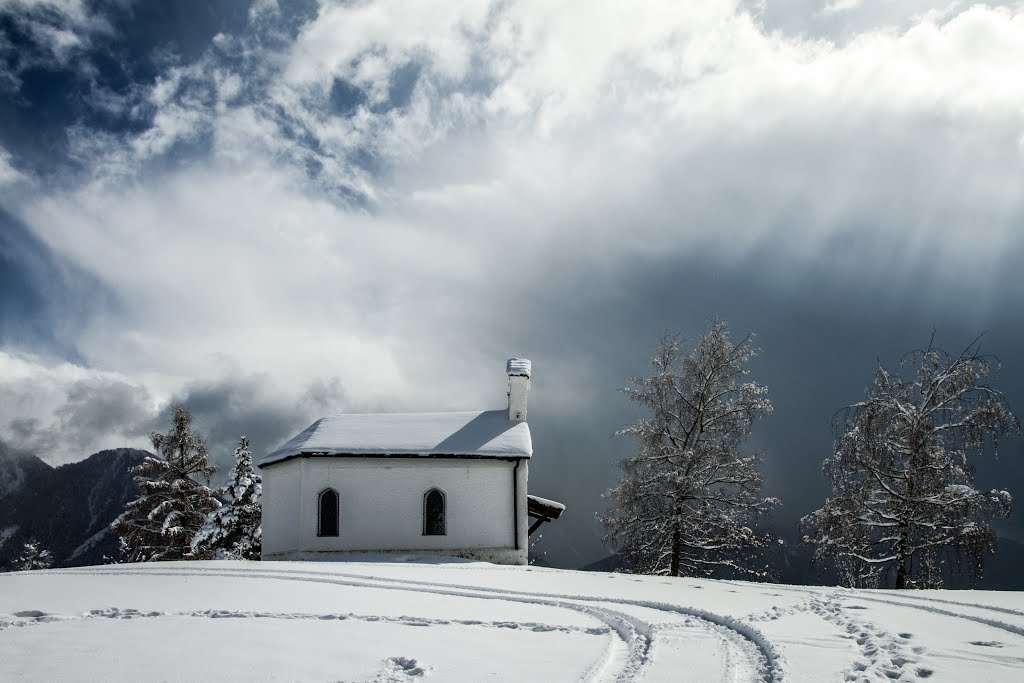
(543, 509)
(482, 434)
(553, 504)
(518, 367)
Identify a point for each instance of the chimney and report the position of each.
(518, 371)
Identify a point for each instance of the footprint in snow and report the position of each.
(404, 669)
(986, 643)
(30, 616)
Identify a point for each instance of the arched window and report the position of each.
(327, 513)
(433, 513)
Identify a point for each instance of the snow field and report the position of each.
(407, 621)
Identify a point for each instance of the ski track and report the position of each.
(918, 603)
(994, 623)
(886, 656)
(623, 660)
(396, 669)
(32, 617)
(748, 654)
(974, 605)
(764, 661)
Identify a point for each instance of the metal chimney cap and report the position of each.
(518, 367)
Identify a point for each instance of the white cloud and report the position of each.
(839, 6)
(9, 175)
(64, 412)
(245, 266)
(337, 43)
(64, 27)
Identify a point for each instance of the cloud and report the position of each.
(63, 412)
(229, 407)
(59, 29)
(8, 174)
(841, 6)
(247, 221)
(842, 21)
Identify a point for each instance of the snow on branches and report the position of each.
(232, 531)
(687, 499)
(903, 503)
(33, 556)
(172, 505)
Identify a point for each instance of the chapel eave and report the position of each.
(425, 456)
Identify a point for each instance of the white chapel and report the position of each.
(410, 483)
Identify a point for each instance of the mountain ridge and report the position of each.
(69, 508)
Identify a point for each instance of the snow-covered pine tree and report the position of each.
(33, 556)
(232, 531)
(172, 505)
(687, 499)
(904, 506)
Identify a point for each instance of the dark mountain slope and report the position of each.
(68, 508)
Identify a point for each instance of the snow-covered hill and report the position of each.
(455, 621)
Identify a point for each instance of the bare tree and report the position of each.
(688, 498)
(172, 505)
(904, 503)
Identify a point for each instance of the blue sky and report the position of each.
(278, 210)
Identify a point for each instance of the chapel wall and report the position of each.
(280, 511)
(381, 507)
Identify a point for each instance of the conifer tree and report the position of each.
(33, 556)
(172, 505)
(687, 500)
(232, 531)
